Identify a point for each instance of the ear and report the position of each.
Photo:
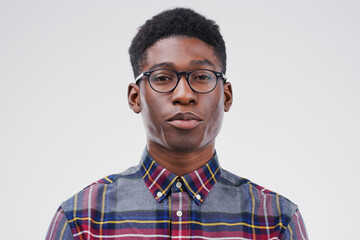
(134, 97)
(228, 96)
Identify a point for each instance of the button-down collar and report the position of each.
(197, 183)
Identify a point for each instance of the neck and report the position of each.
(181, 162)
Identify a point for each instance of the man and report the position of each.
(178, 190)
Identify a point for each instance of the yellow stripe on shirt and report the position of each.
(184, 222)
(252, 211)
(278, 207)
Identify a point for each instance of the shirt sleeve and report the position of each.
(59, 227)
(295, 230)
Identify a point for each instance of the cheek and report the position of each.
(217, 117)
(150, 111)
(217, 113)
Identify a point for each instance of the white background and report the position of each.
(293, 128)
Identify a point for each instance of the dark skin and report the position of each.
(186, 142)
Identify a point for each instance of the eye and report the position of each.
(163, 77)
(202, 77)
(160, 78)
(163, 80)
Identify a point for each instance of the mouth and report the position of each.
(185, 121)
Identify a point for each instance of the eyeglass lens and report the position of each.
(199, 80)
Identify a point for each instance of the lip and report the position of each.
(184, 120)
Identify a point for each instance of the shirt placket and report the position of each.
(180, 204)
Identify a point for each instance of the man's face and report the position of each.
(182, 120)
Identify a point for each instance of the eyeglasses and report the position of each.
(166, 80)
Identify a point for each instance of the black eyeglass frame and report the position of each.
(178, 74)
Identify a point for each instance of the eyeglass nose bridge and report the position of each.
(187, 75)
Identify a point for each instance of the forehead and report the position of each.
(181, 53)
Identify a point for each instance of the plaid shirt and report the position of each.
(150, 202)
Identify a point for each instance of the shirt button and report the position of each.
(178, 184)
(179, 213)
(159, 194)
(198, 197)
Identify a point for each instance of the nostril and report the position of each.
(181, 102)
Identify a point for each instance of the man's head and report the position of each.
(180, 120)
(175, 22)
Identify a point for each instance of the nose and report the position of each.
(183, 94)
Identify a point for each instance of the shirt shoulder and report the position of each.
(132, 172)
(91, 194)
(262, 197)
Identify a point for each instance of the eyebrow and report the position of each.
(164, 64)
(193, 63)
(202, 62)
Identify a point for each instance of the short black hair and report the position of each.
(175, 22)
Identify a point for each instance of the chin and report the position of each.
(188, 144)
(183, 148)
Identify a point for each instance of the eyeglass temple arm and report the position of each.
(223, 76)
(139, 77)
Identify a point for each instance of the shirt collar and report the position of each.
(197, 183)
